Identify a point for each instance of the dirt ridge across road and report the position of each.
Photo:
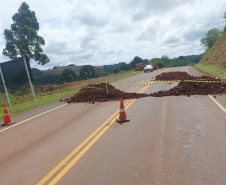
(105, 92)
(190, 88)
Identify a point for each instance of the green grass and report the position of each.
(211, 70)
(20, 106)
(26, 102)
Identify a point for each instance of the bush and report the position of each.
(18, 93)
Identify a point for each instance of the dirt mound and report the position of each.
(190, 88)
(193, 88)
(98, 93)
(179, 76)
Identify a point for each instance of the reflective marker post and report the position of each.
(3, 81)
(28, 75)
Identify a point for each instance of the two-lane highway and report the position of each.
(169, 140)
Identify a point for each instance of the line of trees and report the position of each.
(67, 75)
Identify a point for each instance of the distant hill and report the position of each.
(59, 70)
(217, 54)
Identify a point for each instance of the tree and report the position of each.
(36, 71)
(210, 38)
(135, 61)
(87, 72)
(116, 70)
(224, 31)
(68, 75)
(46, 79)
(125, 67)
(132, 65)
(22, 39)
(181, 58)
(100, 72)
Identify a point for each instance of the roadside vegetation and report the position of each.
(211, 70)
(213, 61)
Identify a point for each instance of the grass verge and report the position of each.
(25, 103)
(211, 70)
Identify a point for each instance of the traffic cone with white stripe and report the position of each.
(7, 119)
(122, 114)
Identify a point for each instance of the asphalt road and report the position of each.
(168, 141)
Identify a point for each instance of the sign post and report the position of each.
(3, 81)
(28, 75)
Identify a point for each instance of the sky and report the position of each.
(111, 31)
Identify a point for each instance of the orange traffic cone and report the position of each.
(122, 113)
(7, 119)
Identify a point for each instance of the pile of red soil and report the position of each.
(190, 88)
(179, 76)
(98, 93)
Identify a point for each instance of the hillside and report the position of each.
(59, 70)
(217, 54)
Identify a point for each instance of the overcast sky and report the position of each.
(104, 32)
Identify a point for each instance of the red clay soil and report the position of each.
(179, 76)
(98, 93)
(190, 88)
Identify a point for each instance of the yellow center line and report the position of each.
(51, 173)
(71, 164)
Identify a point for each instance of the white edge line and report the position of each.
(186, 70)
(215, 101)
(32, 118)
(219, 105)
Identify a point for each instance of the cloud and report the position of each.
(145, 9)
(83, 58)
(111, 31)
(121, 28)
(90, 19)
(89, 14)
(172, 40)
(193, 35)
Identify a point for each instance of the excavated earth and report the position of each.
(190, 88)
(98, 93)
(179, 76)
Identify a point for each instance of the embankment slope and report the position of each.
(217, 54)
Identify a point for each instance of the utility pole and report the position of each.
(28, 75)
(3, 81)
